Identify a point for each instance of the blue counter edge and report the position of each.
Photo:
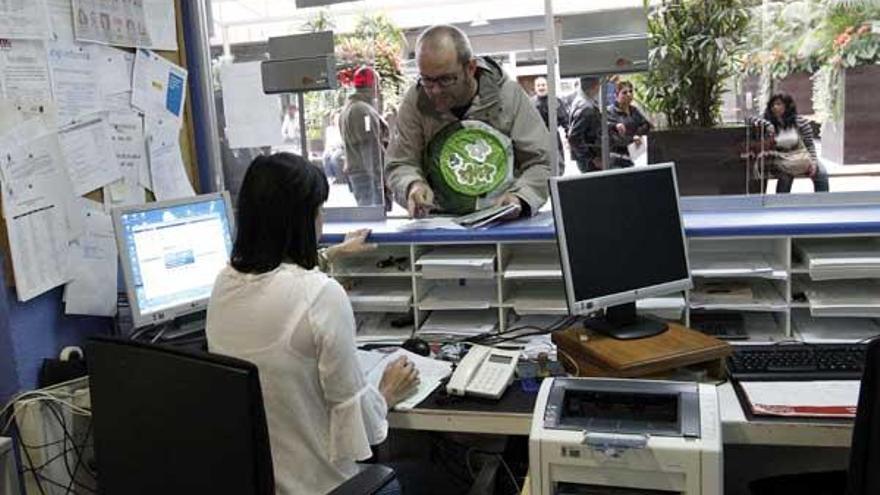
(836, 220)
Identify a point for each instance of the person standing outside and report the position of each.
(628, 125)
(584, 132)
(364, 134)
(543, 107)
(455, 86)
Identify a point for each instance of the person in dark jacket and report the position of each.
(540, 102)
(585, 127)
(627, 124)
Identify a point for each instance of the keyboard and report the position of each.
(797, 361)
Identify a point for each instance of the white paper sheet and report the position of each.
(118, 103)
(161, 24)
(92, 289)
(252, 117)
(166, 167)
(158, 86)
(73, 81)
(431, 373)
(122, 193)
(88, 152)
(804, 398)
(32, 168)
(129, 145)
(112, 23)
(24, 19)
(113, 67)
(38, 244)
(61, 20)
(24, 76)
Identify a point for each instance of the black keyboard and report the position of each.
(797, 361)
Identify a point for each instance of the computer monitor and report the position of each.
(620, 239)
(170, 421)
(171, 252)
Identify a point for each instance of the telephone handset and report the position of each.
(484, 372)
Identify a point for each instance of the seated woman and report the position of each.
(273, 307)
(791, 131)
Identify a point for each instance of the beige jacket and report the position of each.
(501, 103)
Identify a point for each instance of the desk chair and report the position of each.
(179, 422)
(863, 475)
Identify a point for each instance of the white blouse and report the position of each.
(298, 327)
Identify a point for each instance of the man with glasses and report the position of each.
(455, 89)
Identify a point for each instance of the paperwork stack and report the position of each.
(456, 325)
(718, 265)
(835, 259)
(377, 328)
(844, 298)
(381, 296)
(482, 218)
(753, 295)
(458, 262)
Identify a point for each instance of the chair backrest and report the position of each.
(864, 461)
(176, 422)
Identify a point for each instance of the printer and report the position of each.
(628, 437)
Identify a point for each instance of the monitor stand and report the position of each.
(184, 326)
(621, 322)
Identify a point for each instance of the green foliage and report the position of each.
(321, 21)
(694, 48)
(786, 37)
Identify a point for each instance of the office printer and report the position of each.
(634, 437)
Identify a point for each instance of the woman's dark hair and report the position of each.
(279, 200)
(789, 118)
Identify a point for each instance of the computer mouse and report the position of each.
(417, 346)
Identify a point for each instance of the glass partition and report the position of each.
(703, 102)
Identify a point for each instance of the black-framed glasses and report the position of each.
(444, 81)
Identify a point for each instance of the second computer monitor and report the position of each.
(620, 239)
(171, 252)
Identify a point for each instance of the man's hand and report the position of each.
(354, 243)
(621, 129)
(637, 140)
(510, 199)
(419, 200)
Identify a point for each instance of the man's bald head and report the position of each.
(442, 39)
(447, 67)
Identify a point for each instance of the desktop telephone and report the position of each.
(484, 372)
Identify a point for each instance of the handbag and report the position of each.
(796, 162)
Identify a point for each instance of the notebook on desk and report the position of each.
(835, 399)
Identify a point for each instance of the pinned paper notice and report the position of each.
(158, 86)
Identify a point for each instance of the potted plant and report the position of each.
(786, 46)
(844, 86)
(695, 50)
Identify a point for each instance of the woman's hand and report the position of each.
(398, 380)
(354, 243)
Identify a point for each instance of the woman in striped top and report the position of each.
(781, 116)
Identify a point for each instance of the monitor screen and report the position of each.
(620, 236)
(171, 253)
